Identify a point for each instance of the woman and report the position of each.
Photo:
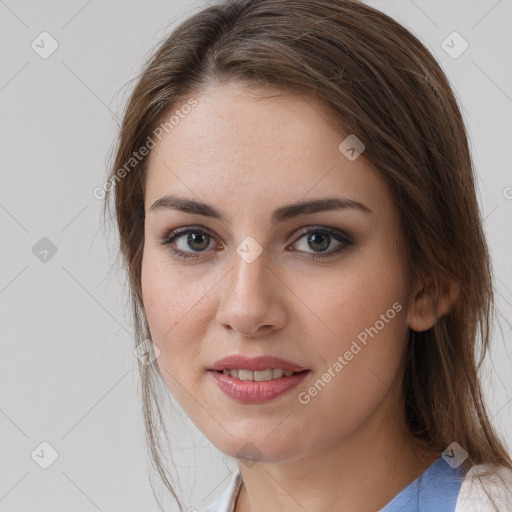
(297, 214)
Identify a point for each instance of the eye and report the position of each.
(319, 239)
(185, 242)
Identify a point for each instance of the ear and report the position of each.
(423, 312)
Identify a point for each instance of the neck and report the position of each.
(362, 471)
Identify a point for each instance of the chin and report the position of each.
(258, 448)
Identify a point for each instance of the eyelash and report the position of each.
(171, 237)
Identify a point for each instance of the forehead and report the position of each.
(255, 144)
(248, 123)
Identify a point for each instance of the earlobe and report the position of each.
(422, 312)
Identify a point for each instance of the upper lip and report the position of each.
(255, 363)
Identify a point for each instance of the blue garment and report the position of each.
(436, 490)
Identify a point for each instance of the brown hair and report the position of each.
(379, 82)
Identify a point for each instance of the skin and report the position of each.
(348, 449)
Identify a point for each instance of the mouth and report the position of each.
(256, 379)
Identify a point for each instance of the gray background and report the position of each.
(68, 374)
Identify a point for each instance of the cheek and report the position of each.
(175, 310)
(364, 309)
(360, 368)
(356, 296)
(176, 320)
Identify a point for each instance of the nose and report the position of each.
(250, 304)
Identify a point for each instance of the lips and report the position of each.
(250, 392)
(255, 363)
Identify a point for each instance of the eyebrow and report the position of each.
(286, 212)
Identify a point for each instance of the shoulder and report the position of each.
(226, 501)
(486, 489)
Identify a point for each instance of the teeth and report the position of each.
(246, 374)
(269, 374)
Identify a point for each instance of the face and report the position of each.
(321, 288)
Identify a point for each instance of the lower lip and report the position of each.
(252, 392)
